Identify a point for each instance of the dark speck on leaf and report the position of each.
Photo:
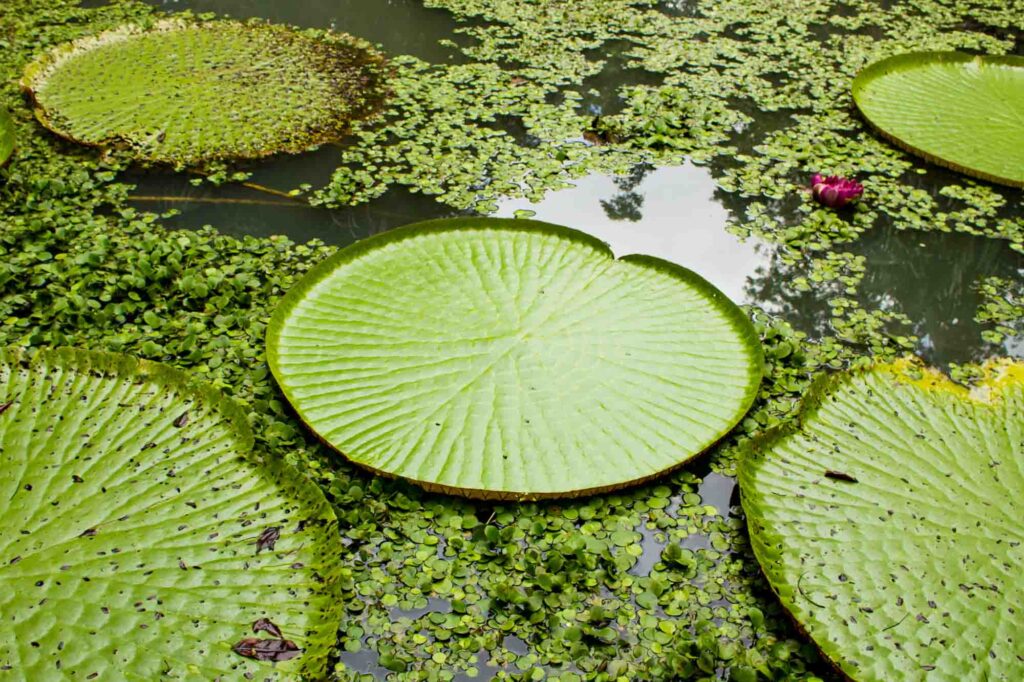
(182, 420)
(5, 406)
(88, 533)
(265, 625)
(840, 476)
(268, 538)
(267, 649)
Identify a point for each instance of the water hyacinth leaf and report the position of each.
(129, 543)
(955, 109)
(6, 136)
(888, 522)
(511, 359)
(184, 93)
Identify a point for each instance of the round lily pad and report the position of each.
(142, 539)
(889, 522)
(6, 136)
(183, 93)
(511, 359)
(958, 110)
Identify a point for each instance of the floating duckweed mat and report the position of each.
(889, 522)
(6, 136)
(142, 539)
(512, 359)
(185, 93)
(955, 109)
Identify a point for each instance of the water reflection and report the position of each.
(399, 26)
(670, 213)
(238, 210)
(931, 277)
(601, 92)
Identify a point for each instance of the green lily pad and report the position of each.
(511, 359)
(958, 110)
(6, 136)
(142, 539)
(889, 522)
(184, 93)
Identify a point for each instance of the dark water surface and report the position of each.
(398, 26)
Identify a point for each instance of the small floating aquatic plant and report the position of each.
(835, 191)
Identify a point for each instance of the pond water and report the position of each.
(675, 213)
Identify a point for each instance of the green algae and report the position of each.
(652, 584)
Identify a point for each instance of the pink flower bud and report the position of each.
(834, 191)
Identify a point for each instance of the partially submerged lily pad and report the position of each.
(955, 109)
(6, 136)
(185, 93)
(132, 509)
(512, 359)
(889, 522)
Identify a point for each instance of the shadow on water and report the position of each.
(238, 210)
(398, 26)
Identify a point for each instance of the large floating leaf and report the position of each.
(890, 523)
(184, 93)
(511, 359)
(955, 109)
(6, 136)
(141, 539)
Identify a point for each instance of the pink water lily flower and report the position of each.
(834, 191)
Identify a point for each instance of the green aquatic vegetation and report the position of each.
(573, 372)
(733, 59)
(142, 537)
(864, 515)
(244, 90)
(6, 136)
(1003, 306)
(443, 134)
(975, 125)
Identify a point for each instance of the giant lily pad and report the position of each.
(6, 136)
(889, 522)
(511, 359)
(954, 109)
(183, 93)
(142, 539)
